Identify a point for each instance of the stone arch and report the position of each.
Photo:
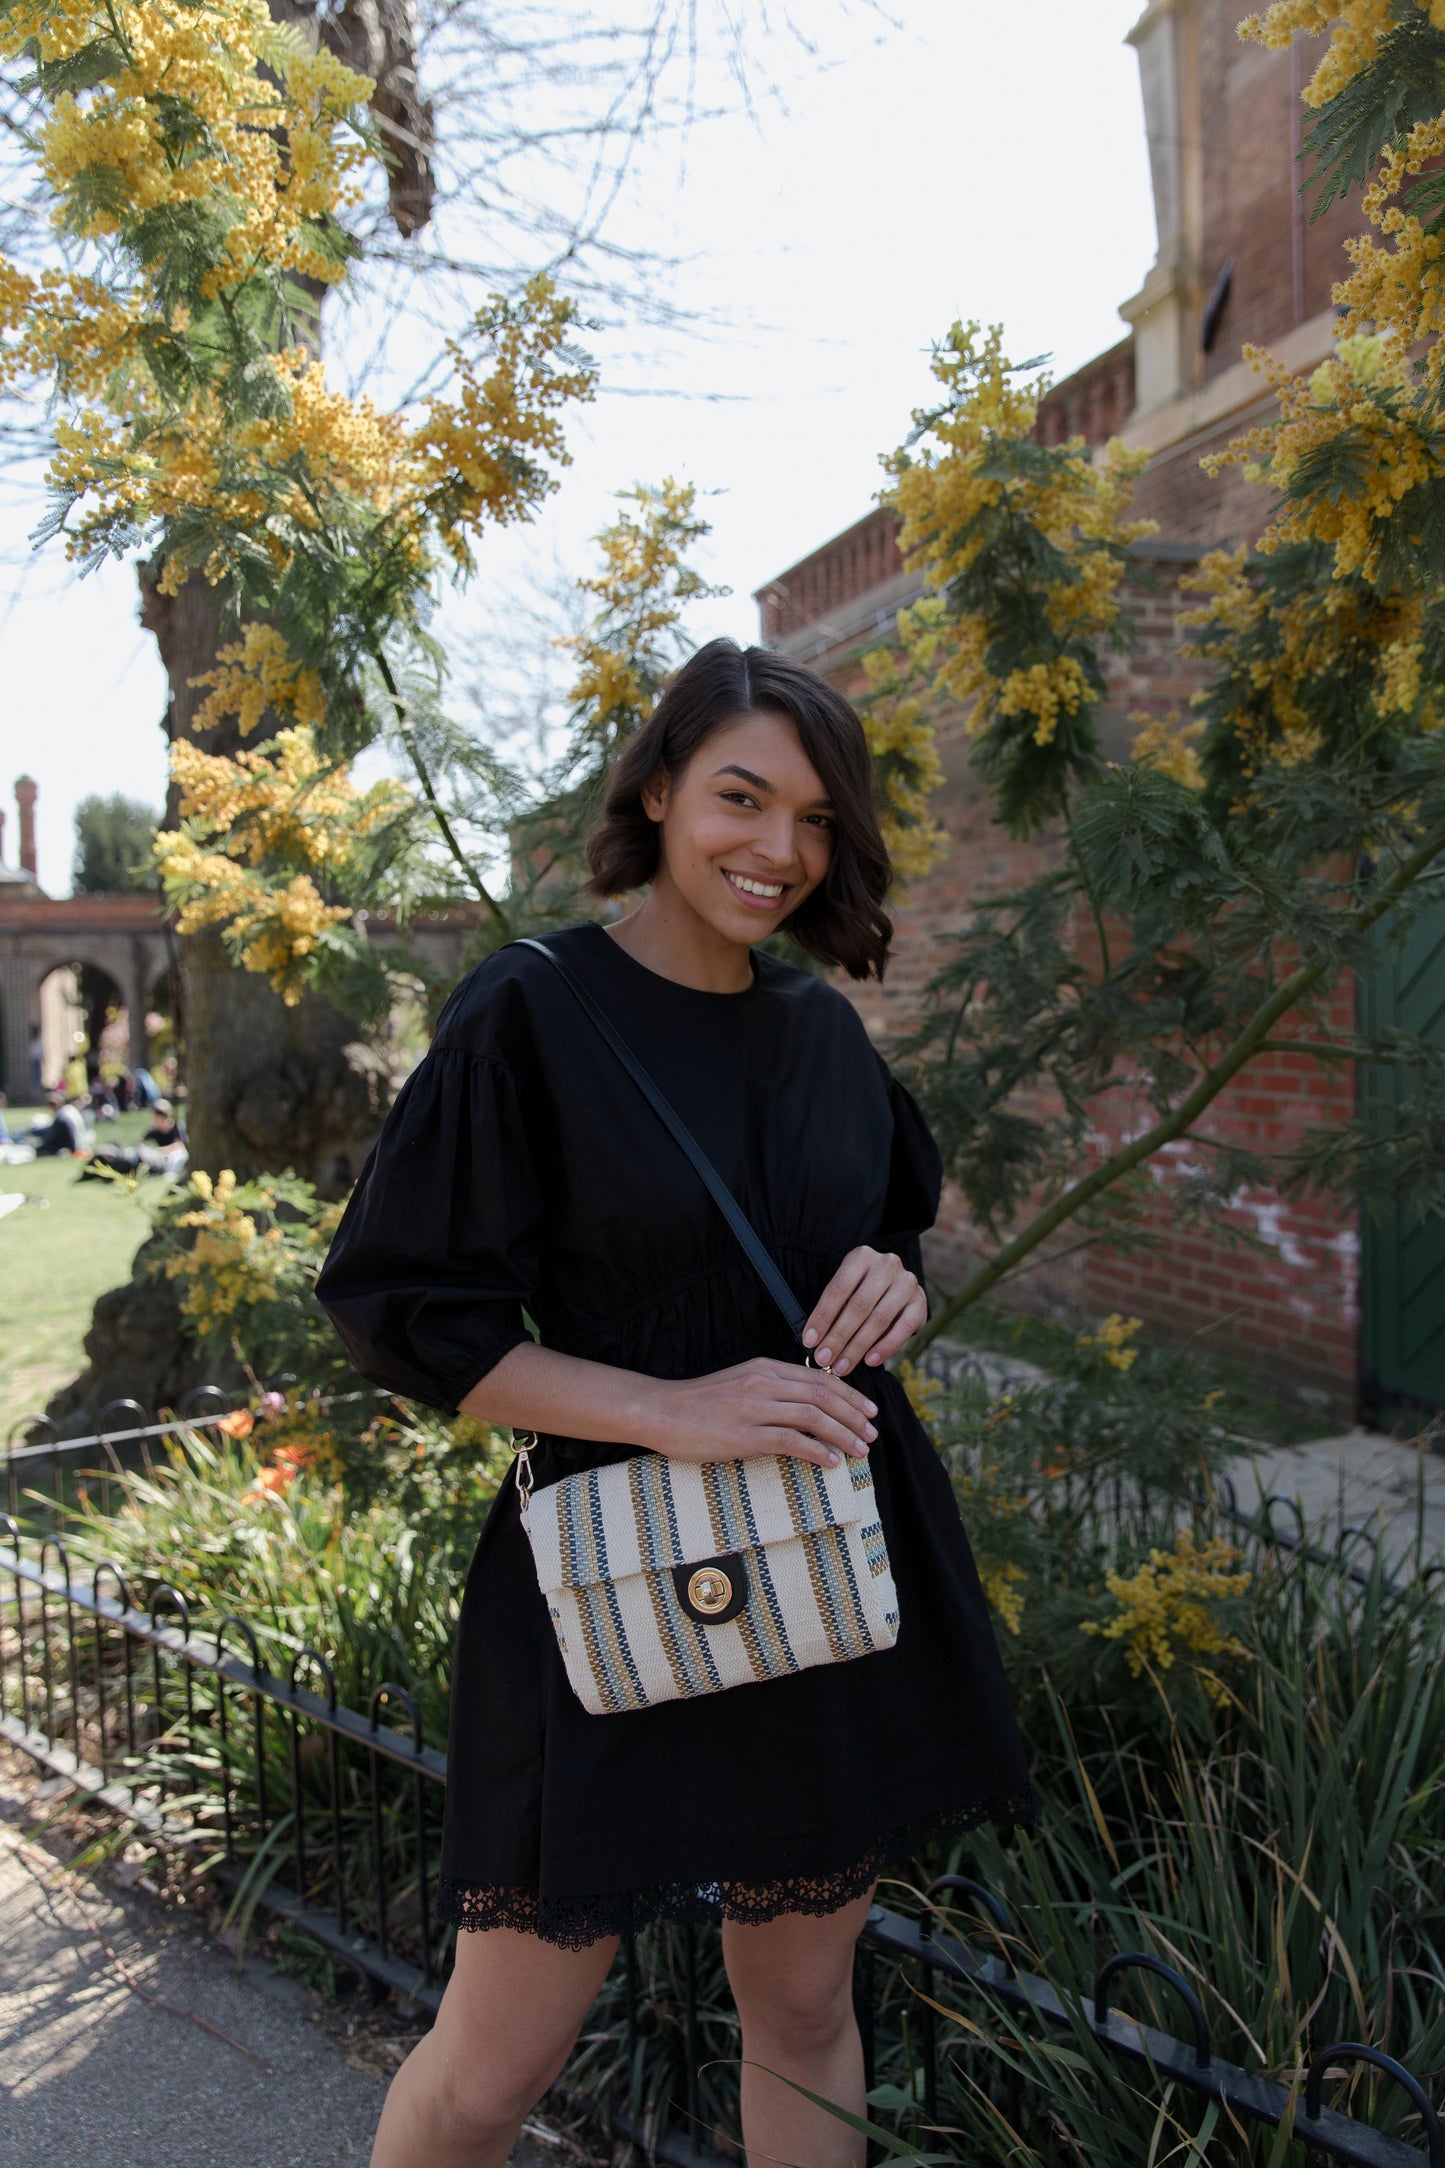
(57, 1006)
(125, 939)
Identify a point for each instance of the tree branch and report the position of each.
(1088, 888)
(438, 812)
(1251, 1041)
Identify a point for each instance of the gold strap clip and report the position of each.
(522, 1444)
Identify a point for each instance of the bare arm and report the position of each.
(760, 1406)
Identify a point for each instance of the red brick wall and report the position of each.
(1210, 512)
(863, 557)
(1094, 403)
(1289, 1302)
(1289, 1306)
(1252, 211)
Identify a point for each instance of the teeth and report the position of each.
(756, 888)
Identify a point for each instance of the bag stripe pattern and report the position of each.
(806, 1541)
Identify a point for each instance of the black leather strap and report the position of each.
(723, 1197)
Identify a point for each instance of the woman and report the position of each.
(522, 1170)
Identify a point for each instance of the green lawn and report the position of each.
(56, 1256)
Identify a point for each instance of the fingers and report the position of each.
(848, 1277)
(825, 1401)
(830, 1393)
(767, 1406)
(913, 1314)
(823, 1423)
(876, 1314)
(797, 1445)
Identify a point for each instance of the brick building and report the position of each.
(1354, 1313)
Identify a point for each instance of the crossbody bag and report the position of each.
(666, 1579)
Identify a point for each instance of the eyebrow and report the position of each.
(760, 782)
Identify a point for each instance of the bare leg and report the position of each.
(792, 1981)
(509, 2017)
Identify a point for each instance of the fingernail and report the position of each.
(809, 1337)
(870, 1432)
(873, 1356)
(824, 1356)
(833, 1458)
(842, 1366)
(869, 1408)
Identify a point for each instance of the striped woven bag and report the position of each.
(668, 1578)
(665, 1578)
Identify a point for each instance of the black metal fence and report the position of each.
(326, 1818)
(39, 1458)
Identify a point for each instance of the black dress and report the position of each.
(522, 1166)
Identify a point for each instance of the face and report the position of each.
(748, 830)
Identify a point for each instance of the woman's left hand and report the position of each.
(870, 1308)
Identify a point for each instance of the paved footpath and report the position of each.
(1360, 1479)
(106, 2056)
(1357, 1479)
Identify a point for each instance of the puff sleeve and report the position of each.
(439, 1247)
(915, 1178)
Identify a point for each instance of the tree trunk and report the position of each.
(271, 1087)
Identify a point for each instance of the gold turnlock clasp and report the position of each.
(522, 1461)
(711, 1590)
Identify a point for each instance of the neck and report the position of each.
(667, 935)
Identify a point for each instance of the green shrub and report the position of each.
(372, 1581)
(1240, 1752)
(244, 1258)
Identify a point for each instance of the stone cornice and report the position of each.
(1232, 391)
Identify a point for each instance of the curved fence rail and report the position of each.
(121, 1431)
(326, 1818)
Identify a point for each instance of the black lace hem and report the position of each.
(573, 1923)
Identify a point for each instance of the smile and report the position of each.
(753, 892)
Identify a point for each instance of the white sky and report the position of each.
(975, 160)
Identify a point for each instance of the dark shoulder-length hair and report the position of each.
(843, 921)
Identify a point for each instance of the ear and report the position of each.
(655, 793)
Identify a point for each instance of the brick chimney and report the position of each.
(25, 796)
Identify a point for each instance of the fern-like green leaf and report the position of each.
(1403, 84)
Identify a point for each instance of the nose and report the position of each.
(774, 841)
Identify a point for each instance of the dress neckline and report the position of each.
(660, 978)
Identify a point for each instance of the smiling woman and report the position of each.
(778, 823)
(731, 1655)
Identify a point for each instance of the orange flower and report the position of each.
(239, 1424)
(276, 1478)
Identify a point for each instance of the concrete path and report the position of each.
(126, 2042)
(1360, 1479)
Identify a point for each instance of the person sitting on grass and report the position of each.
(65, 1132)
(165, 1129)
(162, 1150)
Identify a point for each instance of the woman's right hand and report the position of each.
(758, 1407)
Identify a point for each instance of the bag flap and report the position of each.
(651, 1513)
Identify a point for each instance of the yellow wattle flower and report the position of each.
(1163, 1608)
(1113, 1340)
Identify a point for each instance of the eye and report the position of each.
(825, 821)
(739, 797)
